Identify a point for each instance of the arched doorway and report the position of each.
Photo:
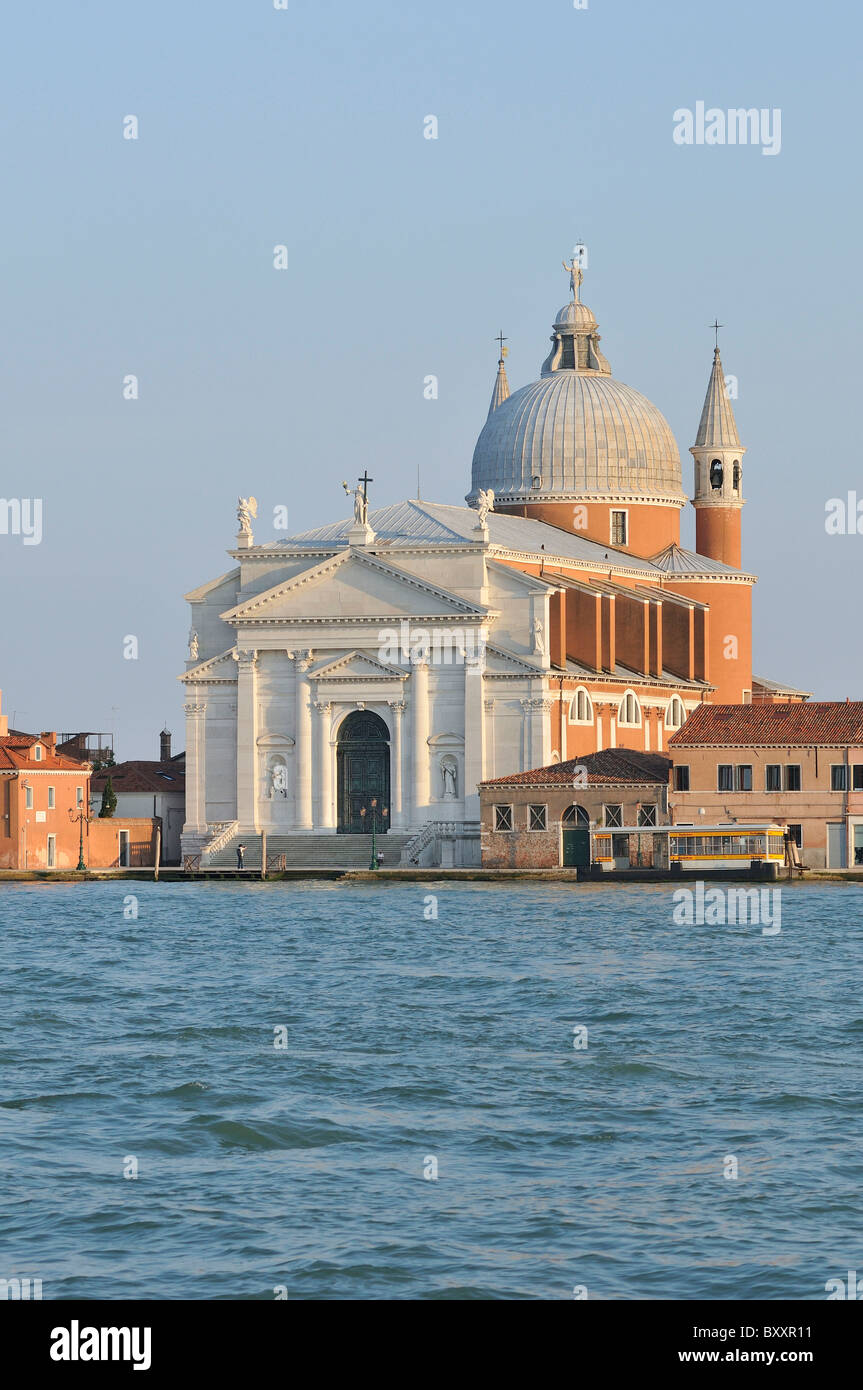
(576, 837)
(363, 762)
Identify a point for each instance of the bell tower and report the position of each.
(717, 451)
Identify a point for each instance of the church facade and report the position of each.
(381, 667)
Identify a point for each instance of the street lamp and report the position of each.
(80, 816)
(384, 813)
(28, 787)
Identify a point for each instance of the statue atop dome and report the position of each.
(576, 275)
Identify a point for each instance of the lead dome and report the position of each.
(576, 432)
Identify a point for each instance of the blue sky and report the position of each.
(304, 127)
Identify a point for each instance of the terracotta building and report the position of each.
(542, 819)
(43, 793)
(800, 764)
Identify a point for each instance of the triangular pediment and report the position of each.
(356, 665)
(504, 663)
(351, 585)
(216, 668)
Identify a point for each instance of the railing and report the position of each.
(224, 831)
(434, 830)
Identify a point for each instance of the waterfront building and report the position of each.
(407, 654)
(801, 764)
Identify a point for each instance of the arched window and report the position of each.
(575, 815)
(716, 474)
(581, 708)
(674, 713)
(735, 475)
(629, 711)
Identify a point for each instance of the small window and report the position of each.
(647, 815)
(725, 778)
(581, 709)
(716, 475)
(536, 818)
(619, 528)
(614, 815)
(792, 777)
(773, 777)
(857, 770)
(675, 713)
(28, 798)
(743, 779)
(503, 818)
(37, 752)
(629, 711)
(50, 798)
(536, 481)
(681, 778)
(79, 796)
(838, 778)
(795, 833)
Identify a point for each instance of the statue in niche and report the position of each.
(538, 638)
(278, 781)
(449, 777)
(193, 645)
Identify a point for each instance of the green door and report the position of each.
(576, 848)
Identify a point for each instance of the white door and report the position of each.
(836, 845)
(52, 851)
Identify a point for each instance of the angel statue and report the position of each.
(193, 644)
(361, 506)
(484, 503)
(247, 507)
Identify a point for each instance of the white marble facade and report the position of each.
(416, 622)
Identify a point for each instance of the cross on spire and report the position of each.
(501, 339)
(716, 327)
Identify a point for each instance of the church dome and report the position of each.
(577, 431)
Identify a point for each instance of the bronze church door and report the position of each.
(363, 762)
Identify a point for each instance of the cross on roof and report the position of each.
(501, 339)
(716, 327)
(365, 480)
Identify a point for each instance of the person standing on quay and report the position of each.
(241, 854)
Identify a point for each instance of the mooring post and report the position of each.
(263, 854)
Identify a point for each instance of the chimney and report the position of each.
(165, 746)
(50, 741)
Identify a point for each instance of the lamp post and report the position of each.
(80, 816)
(384, 813)
(28, 787)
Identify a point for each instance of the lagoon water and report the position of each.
(410, 1039)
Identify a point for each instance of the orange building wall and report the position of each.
(718, 534)
(652, 526)
(729, 637)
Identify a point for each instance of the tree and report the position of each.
(109, 801)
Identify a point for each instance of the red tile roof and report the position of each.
(612, 766)
(141, 776)
(15, 754)
(832, 723)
